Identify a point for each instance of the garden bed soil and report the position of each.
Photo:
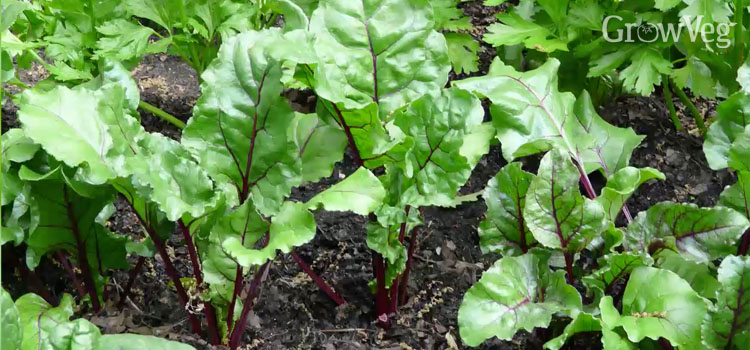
(292, 313)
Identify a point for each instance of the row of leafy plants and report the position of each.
(631, 46)
(379, 71)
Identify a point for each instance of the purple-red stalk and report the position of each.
(213, 333)
(131, 281)
(319, 281)
(413, 242)
(83, 261)
(252, 293)
(69, 269)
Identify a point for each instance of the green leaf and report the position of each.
(733, 118)
(122, 40)
(615, 267)
(66, 123)
(49, 328)
(699, 276)
(16, 148)
(645, 70)
(377, 51)
(699, 234)
(556, 213)
(162, 12)
(712, 11)
(515, 293)
(434, 128)
(240, 129)
(696, 76)
(361, 193)
(320, 146)
(582, 323)
(138, 342)
(622, 185)
(462, 52)
(448, 16)
(612, 146)
(512, 30)
(504, 229)
(665, 5)
(739, 152)
(11, 323)
(737, 196)
(665, 306)
(726, 324)
(293, 226)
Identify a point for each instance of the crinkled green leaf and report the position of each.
(49, 328)
(582, 323)
(67, 125)
(293, 226)
(377, 51)
(727, 324)
(734, 116)
(504, 229)
(239, 229)
(512, 30)
(138, 342)
(11, 323)
(699, 234)
(657, 303)
(162, 12)
(645, 70)
(699, 276)
(16, 148)
(361, 193)
(434, 129)
(320, 146)
(515, 293)
(614, 267)
(462, 52)
(448, 16)
(712, 11)
(556, 213)
(240, 125)
(622, 185)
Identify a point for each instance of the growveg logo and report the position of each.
(694, 27)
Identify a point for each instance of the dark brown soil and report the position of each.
(292, 312)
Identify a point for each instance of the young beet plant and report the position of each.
(383, 85)
(664, 257)
(224, 186)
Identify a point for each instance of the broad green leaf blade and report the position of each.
(17, 148)
(645, 70)
(162, 12)
(319, 146)
(739, 152)
(614, 267)
(582, 323)
(240, 126)
(611, 340)
(711, 11)
(504, 229)
(435, 127)
(699, 276)
(66, 124)
(733, 118)
(727, 324)
(657, 303)
(138, 342)
(166, 173)
(377, 51)
(512, 30)
(515, 293)
(49, 328)
(293, 226)
(11, 323)
(622, 185)
(612, 146)
(361, 193)
(556, 213)
(737, 196)
(699, 234)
